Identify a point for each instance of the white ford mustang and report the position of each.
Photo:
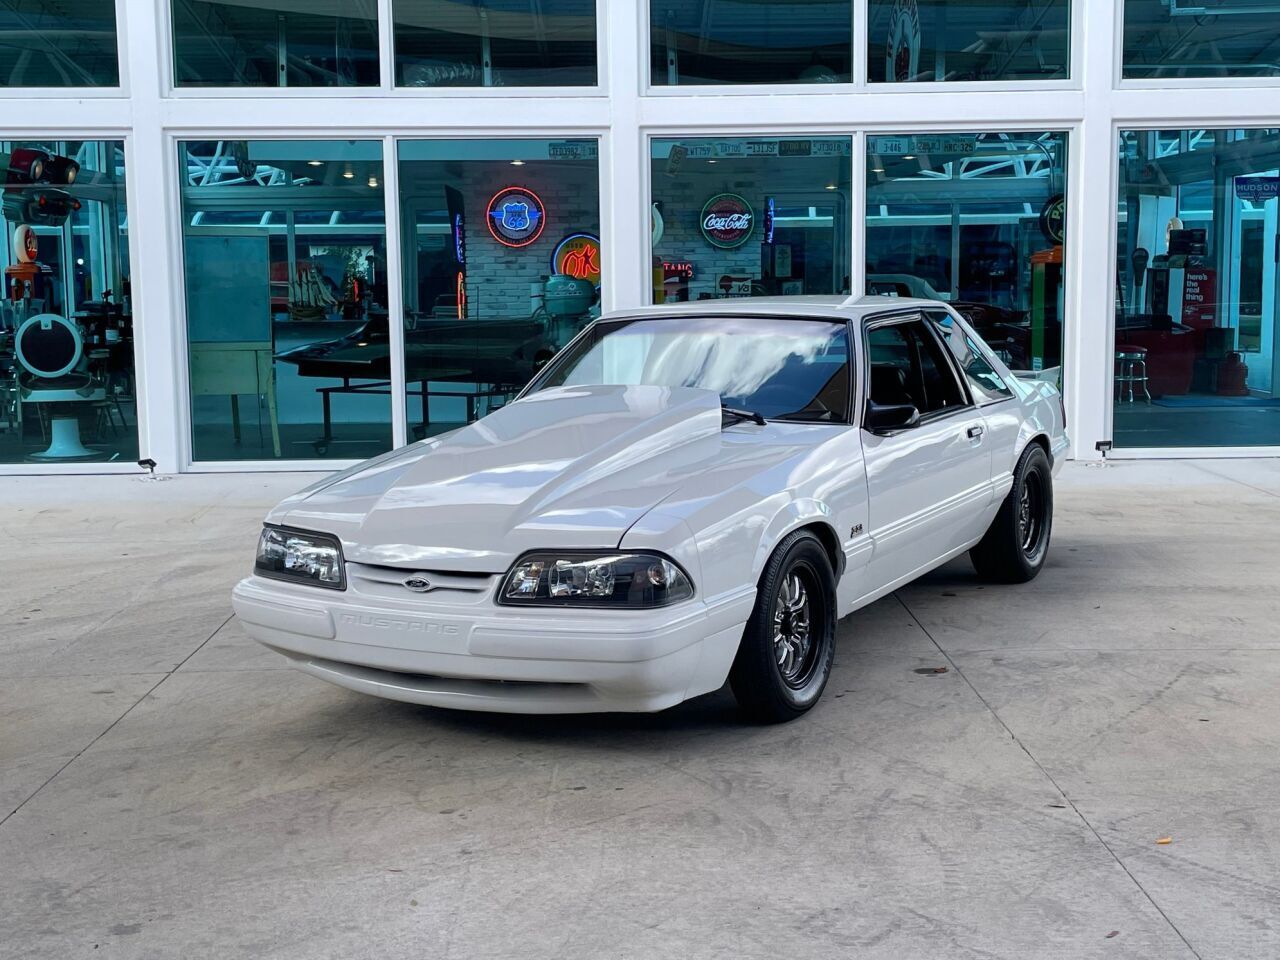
(683, 495)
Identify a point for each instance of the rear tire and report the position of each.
(1017, 542)
(788, 645)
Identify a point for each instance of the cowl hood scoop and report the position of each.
(565, 467)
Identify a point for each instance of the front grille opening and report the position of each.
(393, 580)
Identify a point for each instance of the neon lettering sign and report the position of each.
(578, 256)
(727, 221)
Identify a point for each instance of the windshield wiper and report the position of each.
(739, 415)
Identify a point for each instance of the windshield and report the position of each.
(781, 369)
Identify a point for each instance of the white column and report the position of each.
(624, 165)
(395, 290)
(1088, 332)
(151, 183)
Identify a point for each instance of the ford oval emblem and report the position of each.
(418, 584)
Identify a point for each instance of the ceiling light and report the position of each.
(877, 169)
(831, 186)
(711, 161)
(373, 181)
(517, 163)
(348, 173)
(908, 156)
(314, 163)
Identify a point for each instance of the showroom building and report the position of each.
(290, 234)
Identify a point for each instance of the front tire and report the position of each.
(787, 649)
(1017, 542)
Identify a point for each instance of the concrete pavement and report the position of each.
(168, 789)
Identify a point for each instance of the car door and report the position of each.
(928, 482)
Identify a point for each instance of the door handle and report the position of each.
(975, 431)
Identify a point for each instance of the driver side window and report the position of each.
(908, 366)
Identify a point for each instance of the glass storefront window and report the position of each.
(745, 41)
(923, 40)
(284, 250)
(1201, 38)
(275, 43)
(750, 216)
(978, 220)
(58, 43)
(1197, 274)
(66, 323)
(495, 43)
(501, 242)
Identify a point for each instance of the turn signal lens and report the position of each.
(526, 579)
(599, 580)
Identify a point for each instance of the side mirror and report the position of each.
(885, 418)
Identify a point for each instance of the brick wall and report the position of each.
(682, 199)
(498, 277)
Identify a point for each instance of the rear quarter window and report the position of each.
(986, 385)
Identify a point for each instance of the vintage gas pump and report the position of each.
(1046, 304)
(27, 278)
(1046, 287)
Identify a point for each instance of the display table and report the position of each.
(233, 368)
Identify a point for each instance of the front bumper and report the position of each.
(485, 657)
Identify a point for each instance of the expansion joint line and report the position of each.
(955, 668)
(113, 723)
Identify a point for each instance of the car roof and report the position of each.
(801, 308)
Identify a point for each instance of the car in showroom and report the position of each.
(684, 495)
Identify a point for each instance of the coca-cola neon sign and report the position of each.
(727, 221)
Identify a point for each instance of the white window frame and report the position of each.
(1175, 83)
(859, 65)
(386, 86)
(120, 90)
(1113, 246)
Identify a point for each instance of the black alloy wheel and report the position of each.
(1015, 546)
(788, 646)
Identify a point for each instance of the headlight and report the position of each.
(594, 580)
(300, 557)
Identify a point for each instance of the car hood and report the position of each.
(563, 468)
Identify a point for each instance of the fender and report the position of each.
(797, 513)
(1040, 418)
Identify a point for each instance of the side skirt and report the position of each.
(876, 594)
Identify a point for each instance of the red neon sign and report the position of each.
(578, 256)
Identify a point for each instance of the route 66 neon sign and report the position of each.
(516, 216)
